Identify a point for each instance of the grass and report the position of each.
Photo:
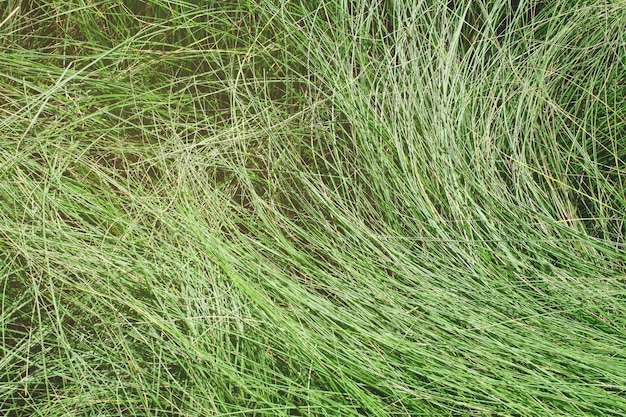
(312, 208)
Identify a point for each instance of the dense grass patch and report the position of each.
(375, 208)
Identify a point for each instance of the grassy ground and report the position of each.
(328, 208)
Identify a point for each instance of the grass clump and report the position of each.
(312, 208)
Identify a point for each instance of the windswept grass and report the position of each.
(373, 208)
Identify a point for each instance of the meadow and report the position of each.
(312, 208)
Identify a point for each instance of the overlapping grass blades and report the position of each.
(312, 208)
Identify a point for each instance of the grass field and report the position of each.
(312, 208)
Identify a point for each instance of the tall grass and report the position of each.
(312, 208)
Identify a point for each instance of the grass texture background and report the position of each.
(312, 208)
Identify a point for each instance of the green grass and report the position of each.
(336, 208)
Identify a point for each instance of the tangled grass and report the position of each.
(374, 208)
